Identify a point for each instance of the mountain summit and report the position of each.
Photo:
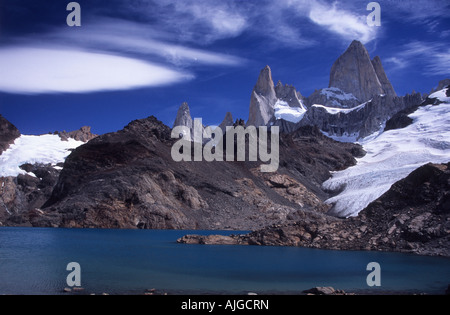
(354, 72)
(262, 100)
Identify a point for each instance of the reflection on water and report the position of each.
(33, 261)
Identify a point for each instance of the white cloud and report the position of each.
(31, 70)
(344, 23)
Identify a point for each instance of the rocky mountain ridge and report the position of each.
(128, 179)
(358, 102)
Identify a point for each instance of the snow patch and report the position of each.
(335, 111)
(392, 156)
(285, 112)
(45, 149)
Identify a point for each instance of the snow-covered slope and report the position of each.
(392, 156)
(45, 149)
(441, 95)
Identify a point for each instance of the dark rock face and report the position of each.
(22, 196)
(8, 133)
(401, 119)
(413, 216)
(128, 179)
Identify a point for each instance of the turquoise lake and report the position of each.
(34, 261)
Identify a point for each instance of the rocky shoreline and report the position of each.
(312, 291)
(412, 217)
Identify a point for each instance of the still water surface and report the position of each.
(34, 261)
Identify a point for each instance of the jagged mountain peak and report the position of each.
(262, 100)
(356, 44)
(227, 122)
(354, 72)
(183, 116)
(265, 86)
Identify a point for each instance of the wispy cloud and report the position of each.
(396, 63)
(432, 58)
(198, 21)
(417, 10)
(285, 22)
(129, 37)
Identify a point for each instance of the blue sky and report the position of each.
(134, 58)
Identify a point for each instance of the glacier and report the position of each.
(392, 156)
(44, 149)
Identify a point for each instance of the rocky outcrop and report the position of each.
(289, 94)
(227, 122)
(354, 72)
(332, 97)
(128, 179)
(360, 121)
(441, 85)
(8, 133)
(325, 291)
(83, 134)
(184, 117)
(207, 240)
(413, 217)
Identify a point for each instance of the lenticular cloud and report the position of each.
(31, 70)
